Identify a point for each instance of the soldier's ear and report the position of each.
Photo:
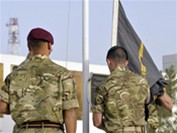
(49, 46)
(126, 62)
(29, 48)
(108, 61)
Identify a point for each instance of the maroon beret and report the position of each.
(39, 33)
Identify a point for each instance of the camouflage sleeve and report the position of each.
(153, 121)
(99, 100)
(4, 91)
(146, 89)
(69, 93)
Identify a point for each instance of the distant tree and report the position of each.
(171, 78)
(167, 122)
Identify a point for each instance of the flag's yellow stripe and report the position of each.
(140, 56)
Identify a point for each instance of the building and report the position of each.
(169, 60)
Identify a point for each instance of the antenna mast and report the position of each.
(13, 37)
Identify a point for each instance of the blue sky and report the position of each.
(155, 21)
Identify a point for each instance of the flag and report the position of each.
(140, 60)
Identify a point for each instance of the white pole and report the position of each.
(115, 17)
(85, 66)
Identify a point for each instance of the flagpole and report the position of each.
(85, 70)
(115, 16)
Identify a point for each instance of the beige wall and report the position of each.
(78, 78)
(1, 74)
(1, 78)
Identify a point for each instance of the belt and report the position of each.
(42, 124)
(140, 129)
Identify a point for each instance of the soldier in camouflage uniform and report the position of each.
(120, 100)
(39, 94)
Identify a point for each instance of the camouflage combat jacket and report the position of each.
(39, 90)
(121, 99)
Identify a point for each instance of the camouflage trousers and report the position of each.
(130, 130)
(126, 132)
(37, 130)
(152, 130)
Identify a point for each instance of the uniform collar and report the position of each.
(120, 69)
(39, 56)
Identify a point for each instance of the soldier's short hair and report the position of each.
(36, 44)
(118, 54)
